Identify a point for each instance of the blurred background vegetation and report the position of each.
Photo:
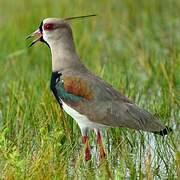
(132, 44)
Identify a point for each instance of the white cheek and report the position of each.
(48, 37)
(45, 36)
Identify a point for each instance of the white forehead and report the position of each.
(52, 20)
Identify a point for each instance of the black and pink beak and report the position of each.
(38, 34)
(38, 37)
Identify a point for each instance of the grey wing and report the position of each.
(100, 88)
(116, 114)
(104, 91)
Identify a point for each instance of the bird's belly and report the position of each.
(81, 119)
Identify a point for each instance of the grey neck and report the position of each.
(63, 54)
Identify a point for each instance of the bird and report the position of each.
(92, 102)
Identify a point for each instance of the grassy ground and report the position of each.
(134, 45)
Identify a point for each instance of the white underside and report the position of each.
(82, 120)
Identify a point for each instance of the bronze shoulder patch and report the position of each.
(78, 87)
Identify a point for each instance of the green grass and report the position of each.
(134, 45)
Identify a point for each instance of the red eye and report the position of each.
(48, 26)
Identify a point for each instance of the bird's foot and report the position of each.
(87, 154)
(102, 153)
(85, 141)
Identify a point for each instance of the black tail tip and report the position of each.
(164, 132)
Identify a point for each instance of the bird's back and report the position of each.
(102, 104)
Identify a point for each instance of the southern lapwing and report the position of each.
(89, 100)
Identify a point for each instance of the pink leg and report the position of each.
(85, 141)
(101, 148)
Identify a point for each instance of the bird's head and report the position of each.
(52, 29)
